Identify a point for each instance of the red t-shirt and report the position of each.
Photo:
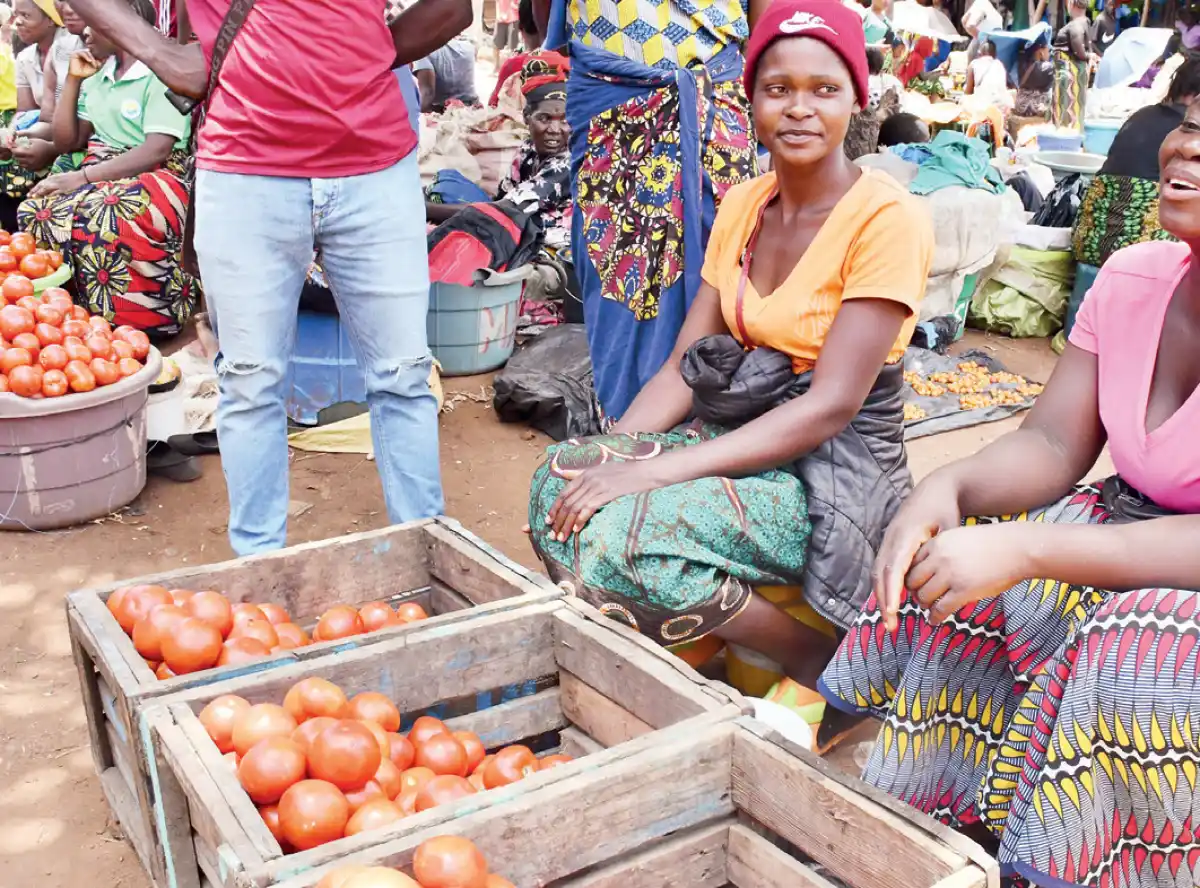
(306, 91)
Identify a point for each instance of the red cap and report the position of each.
(837, 26)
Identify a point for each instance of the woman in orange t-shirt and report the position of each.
(789, 363)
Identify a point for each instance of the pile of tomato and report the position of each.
(178, 631)
(323, 766)
(50, 347)
(442, 862)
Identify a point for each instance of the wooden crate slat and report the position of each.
(756, 863)
(444, 600)
(596, 715)
(970, 876)
(470, 567)
(123, 803)
(864, 844)
(89, 686)
(111, 660)
(515, 720)
(694, 859)
(577, 744)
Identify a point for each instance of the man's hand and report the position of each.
(34, 154)
(83, 65)
(59, 183)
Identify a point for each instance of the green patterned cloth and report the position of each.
(15, 180)
(677, 562)
(1117, 212)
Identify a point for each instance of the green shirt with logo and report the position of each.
(124, 111)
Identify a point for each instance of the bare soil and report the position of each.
(54, 825)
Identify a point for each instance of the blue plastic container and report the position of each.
(473, 329)
(1085, 276)
(1098, 135)
(1060, 142)
(323, 370)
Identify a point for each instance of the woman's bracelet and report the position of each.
(85, 175)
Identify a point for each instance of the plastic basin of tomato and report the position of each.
(56, 278)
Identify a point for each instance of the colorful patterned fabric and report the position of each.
(663, 34)
(15, 180)
(543, 185)
(677, 562)
(1062, 717)
(1070, 90)
(1117, 212)
(652, 153)
(124, 240)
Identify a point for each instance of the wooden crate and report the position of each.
(605, 695)
(449, 571)
(727, 805)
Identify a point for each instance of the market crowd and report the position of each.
(1026, 636)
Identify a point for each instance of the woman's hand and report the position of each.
(963, 565)
(58, 184)
(596, 488)
(932, 509)
(34, 154)
(83, 65)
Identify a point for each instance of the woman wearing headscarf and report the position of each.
(1072, 54)
(914, 63)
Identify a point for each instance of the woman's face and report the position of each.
(71, 21)
(97, 44)
(1179, 161)
(31, 23)
(803, 101)
(548, 126)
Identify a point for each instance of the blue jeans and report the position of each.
(254, 241)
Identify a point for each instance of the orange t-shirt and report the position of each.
(876, 244)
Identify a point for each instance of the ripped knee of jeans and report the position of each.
(409, 377)
(248, 378)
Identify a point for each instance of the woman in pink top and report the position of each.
(1039, 673)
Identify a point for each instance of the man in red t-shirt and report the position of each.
(307, 144)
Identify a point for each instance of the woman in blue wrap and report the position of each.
(660, 130)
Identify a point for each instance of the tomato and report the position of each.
(270, 816)
(78, 329)
(79, 313)
(473, 747)
(509, 765)
(370, 706)
(76, 350)
(407, 802)
(476, 780)
(375, 814)
(122, 350)
(376, 615)
(54, 295)
(137, 603)
(55, 258)
(180, 596)
(128, 367)
(449, 862)
(246, 611)
(23, 244)
(273, 612)
(388, 778)
(400, 751)
(414, 779)
(29, 342)
(100, 346)
(236, 651)
(290, 635)
(369, 792)
(79, 376)
(16, 286)
(337, 878)
(442, 754)
(34, 266)
(163, 672)
(308, 731)
(192, 646)
(346, 754)
(553, 761)
(341, 621)
(259, 722)
(410, 612)
(15, 320)
(4, 389)
(14, 357)
(5, 238)
(149, 632)
(8, 262)
(424, 728)
(48, 334)
(211, 607)
(269, 768)
(25, 381)
(219, 716)
(140, 342)
(257, 629)
(48, 314)
(313, 698)
(311, 813)
(442, 790)
(495, 881)
(381, 737)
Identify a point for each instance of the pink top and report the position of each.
(306, 91)
(1121, 322)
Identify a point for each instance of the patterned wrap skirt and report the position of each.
(677, 562)
(653, 151)
(1064, 718)
(124, 240)
(1069, 97)
(1117, 212)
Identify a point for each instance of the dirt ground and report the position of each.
(54, 828)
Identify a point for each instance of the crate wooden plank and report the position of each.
(818, 812)
(695, 859)
(517, 719)
(174, 862)
(444, 600)
(604, 806)
(86, 616)
(577, 744)
(655, 689)
(124, 805)
(89, 686)
(970, 876)
(596, 715)
(756, 863)
(470, 567)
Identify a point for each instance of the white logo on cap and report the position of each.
(804, 21)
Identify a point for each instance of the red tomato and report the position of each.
(79, 313)
(388, 778)
(346, 754)
(315, 698)
(269, 768)
(163, 672)
(54, 384)
(410, 612)
(16, 286)
(76, 350)
(80, 378)
(106, 372)
(311, 813)
(122, 349)
(212, 607)
(257, 629)
(4, 384)
(273, 612)
(100, 346)
(52, 295)
(14, 357)
(25, 381)
(260, 722)
(23, 244)
(442, 754)
(128, 366)
(8, 261)
(29, 342)
(376, 615)
(370, 792)
(414, 779)
(307, 732)
(29, 303)
(79, 329)
(270, 816)
(15, 320)
(553, 761)
(141, 344)
(149, 632)
(373, 815)
(96, 322)
(450, 862)
(400, 751)
(370, 706)
(34, 266)
(290, 635)
(192, 646)
(5, 238)
(48, 314)
(509, 765)
(473, 747)
(219, 716)
(236, 651)
(442, 790)
(340, 621)
(424, 728)
(55, 258)
(48, 334)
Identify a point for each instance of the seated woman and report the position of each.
(447, 75)
(1120, 206)
(118, 220)
(987, 77)
(789, 363)
(1037, 83)
(1038, 672)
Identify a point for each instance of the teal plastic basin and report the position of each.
(473, 329)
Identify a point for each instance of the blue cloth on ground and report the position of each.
(951, 159)
(452, 187)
